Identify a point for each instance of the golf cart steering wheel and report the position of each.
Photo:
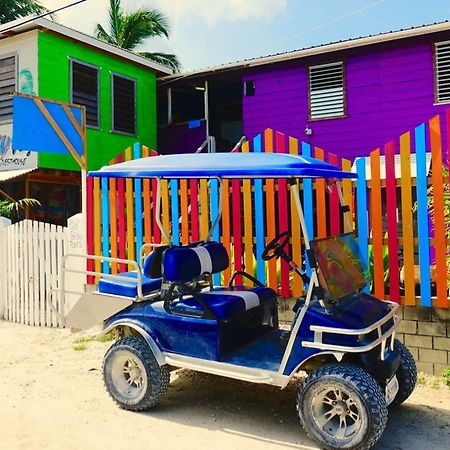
(275, 247)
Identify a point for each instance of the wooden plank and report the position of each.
(53, 271)
(129, 206)
(226, 236)
(184, 206)
(175, 211)
(407, 219)
(121, 220)
(270, 213)
(308, 208)
(362, 218)
(138, 217)
(335, 210)
(347, 193)
(195, 227)
(376, 222)
(165, 206)
(113, 220)
(422, 216)
(283, 220)
(36, 241)
(90, 226)
(204, 210)
(8, 272)
(237, 226)
(156, 230)
(259, 217)
(321, 206)
(214, 211)
(248, 222)
(392, 228)
(59, 256)
(147, 199)
(42, 275)
(105, 223)
(26, 260)
(97, 224)
(48, 279)
(439, 212)
(297, 287)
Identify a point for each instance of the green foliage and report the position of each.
(385, 262)
(79, 347)
(11, 209)
(128, 30)
(446, 375)
(111, 336)
(14, 9)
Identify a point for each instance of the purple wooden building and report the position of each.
(347, 97)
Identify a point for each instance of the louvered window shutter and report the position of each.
(85, 90)
(442, 63)
(124, 103)
(8, 77)
(326, 91)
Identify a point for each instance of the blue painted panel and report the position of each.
(214, 211)
(308, 208)
(138, 203)
(175, 211)
(259, 217)
(32, 132)
(422, 216)
(105, 224)
(362, 212)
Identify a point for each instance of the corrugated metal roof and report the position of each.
(329, 47)
(6, 175)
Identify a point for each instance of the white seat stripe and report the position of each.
(204, 258)
(250, 298)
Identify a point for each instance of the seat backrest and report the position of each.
(153, 263)
(182, 264)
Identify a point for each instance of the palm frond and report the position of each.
(14, 9)
(166, 59)
(101, 34)
(9, 208)
(115, 21)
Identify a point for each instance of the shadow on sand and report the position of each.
(267, 414)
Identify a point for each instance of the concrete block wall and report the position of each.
(426, 332)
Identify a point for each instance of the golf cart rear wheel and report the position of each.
(342, 407)
(132, 376)
(406, 373)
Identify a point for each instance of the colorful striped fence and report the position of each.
(393, 235)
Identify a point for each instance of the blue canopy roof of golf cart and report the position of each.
(224, 165)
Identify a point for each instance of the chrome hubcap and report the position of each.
(133, 374)
(336, 413)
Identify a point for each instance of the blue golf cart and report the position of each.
(169, 314)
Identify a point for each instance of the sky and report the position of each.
(205, 33)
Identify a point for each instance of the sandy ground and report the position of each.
(52, 397)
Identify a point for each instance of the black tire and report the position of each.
(350, 396)
(406, 373)
(132, 376)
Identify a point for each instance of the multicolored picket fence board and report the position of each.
(406, 247)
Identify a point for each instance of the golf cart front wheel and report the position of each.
(132, 376)
(342, 407)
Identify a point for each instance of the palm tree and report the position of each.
(129, 29)
(13, 9)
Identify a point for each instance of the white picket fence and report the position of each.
(31, 256)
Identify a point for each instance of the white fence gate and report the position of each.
(30, 255)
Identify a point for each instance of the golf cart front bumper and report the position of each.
(374, 343)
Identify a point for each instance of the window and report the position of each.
(85, 90)
(124, 104)
(249, 88)
(442, 75)
(326, 91)
(8, 77)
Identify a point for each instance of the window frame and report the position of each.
(92, 66)
(16, 81)
(436, 100)
(134, 80)
(344, 91)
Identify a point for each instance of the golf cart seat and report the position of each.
(225, 303)
(181, 265)
(115, 285)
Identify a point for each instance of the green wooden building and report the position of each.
(117, 87)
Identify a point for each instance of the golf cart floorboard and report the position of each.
(265, 352)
